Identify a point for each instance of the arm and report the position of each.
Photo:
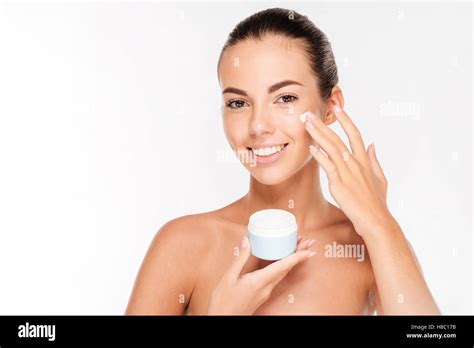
(359, 186)
(400, 287)
(165, 282)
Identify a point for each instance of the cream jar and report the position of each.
(273, 234)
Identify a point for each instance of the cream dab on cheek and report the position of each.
(303, 117)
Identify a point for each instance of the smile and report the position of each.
(268, 150)
(267, 154)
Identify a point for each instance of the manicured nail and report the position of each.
(337, 109)
(311, 254)
(303, 117)
(245, 242)
(313, 148)
(310, 124)
(311, 242)
(311, 116)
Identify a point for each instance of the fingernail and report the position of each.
(311, 242)
(311, 254)
(303, 117)
(313, 148)
(309, 124)
(245, 242)
(337, 108)
(311, 116)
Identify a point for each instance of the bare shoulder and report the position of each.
(193, 237)
(196, 225)
(185, 231)
(174, 261)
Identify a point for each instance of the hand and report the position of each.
(356, 180)
(243, 294)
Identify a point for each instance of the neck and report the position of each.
(301, 195)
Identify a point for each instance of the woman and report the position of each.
(279, 85)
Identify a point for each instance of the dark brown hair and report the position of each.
(291, 24)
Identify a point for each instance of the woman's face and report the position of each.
(266, 86)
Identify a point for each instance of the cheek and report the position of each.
(294, 129)
(235, 131)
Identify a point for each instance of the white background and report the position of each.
(110, 126)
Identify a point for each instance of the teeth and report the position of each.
(267, 151)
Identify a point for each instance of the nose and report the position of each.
(261, 122)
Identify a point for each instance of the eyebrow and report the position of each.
(271, 89)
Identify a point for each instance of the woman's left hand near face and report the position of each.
(356, 180)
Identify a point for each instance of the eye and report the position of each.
(288, 98)
(235, 104)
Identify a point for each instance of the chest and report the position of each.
(317, 286)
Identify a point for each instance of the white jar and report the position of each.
(273, 234)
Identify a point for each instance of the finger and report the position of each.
(275, 272)
(299, 239)
(336, 140)
(375, 166)
(352, 132)
(302, 245)
(326, 163)
(305, 244)
(328, 132)
(240, 259)
(329, 147)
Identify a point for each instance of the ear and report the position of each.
(336, 98)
